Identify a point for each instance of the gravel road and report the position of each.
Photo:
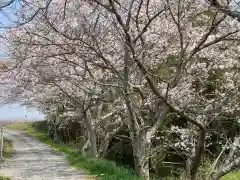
(33, 160)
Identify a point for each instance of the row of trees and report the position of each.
(136, 63)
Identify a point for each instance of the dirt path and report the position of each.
(33, 160)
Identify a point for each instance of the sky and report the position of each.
(13, 111)
(16, 112)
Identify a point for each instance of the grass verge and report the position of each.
(7, 154)
(4, 178)
(107, 169)
(232, 176)
(7, 149)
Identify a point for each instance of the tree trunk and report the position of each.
(85, 147)
(92, 134)
(198, 155)
(226, 169)
(106, 141)
(188, 166)
(93, 143)
(141, 150)
(140, 147)
(55, 137)
(102, 152)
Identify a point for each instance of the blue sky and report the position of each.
(13, 111)
(16, 112)
(6, 19)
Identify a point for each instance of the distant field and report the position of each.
(7, 122)
(3, 123)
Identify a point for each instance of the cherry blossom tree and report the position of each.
(161, 57)
(57, 70)
(182, 22)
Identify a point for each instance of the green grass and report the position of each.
(7, 154)
(232, 176)
(7, 149)
(107, 169)
(4, 178)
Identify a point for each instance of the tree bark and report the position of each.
(55, 137)
(85, 147)
(93, 143)
(102, 151)
(226, 169)
(92, 134)
(198, 155)
(139, 145)
(141, 149)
